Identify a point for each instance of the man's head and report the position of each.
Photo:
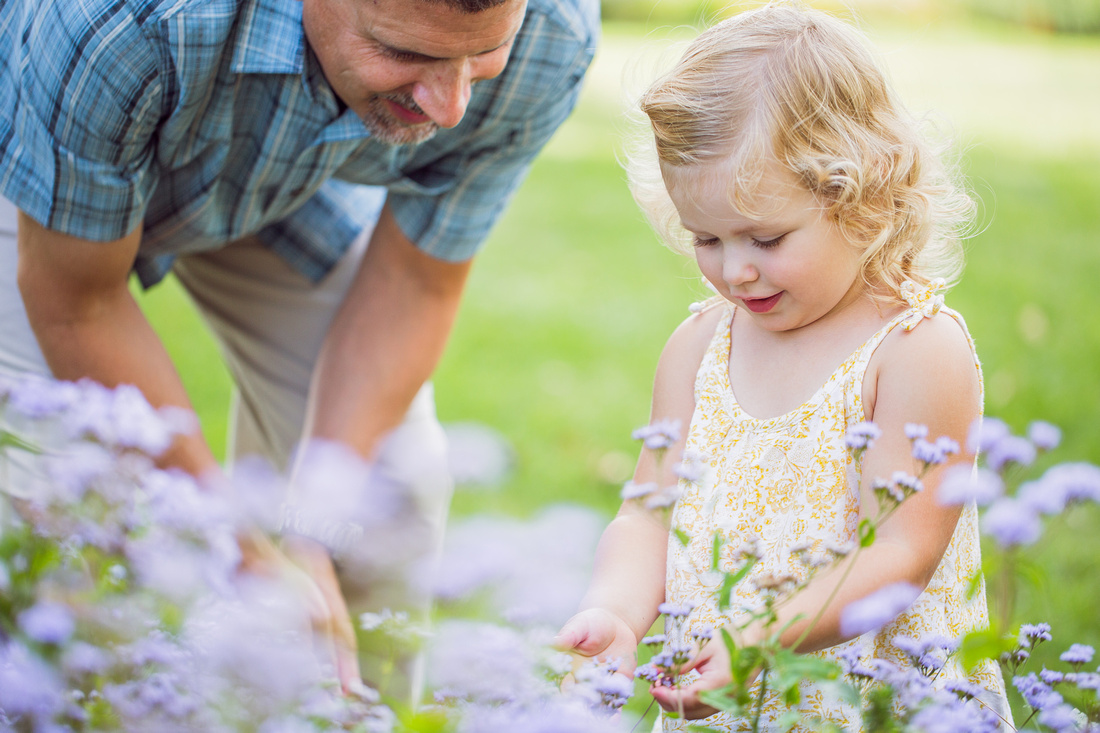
(406, 66)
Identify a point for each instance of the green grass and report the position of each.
(572, 298)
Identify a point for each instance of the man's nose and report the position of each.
(444, 92)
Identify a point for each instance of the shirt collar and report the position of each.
(270, 39)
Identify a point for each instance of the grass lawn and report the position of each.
(572, 299)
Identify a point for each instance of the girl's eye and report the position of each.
(703, 241)
(768, 243)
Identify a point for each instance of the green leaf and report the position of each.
(866, 533)
(681, 535)
(983, 644)
(729, 582)
(725, 699)
(716, 552)
(12, 440)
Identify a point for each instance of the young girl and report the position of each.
(827, 225)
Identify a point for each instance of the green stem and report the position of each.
(760, 700)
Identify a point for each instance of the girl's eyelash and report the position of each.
(769, 243)
(761, 243)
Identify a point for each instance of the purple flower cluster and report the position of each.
(878, 609)
(861, 437)
(658, 435)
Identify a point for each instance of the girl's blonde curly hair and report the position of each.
(794, 85)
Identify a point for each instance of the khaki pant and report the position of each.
(269, 322)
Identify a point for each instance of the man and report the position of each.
(234, 142)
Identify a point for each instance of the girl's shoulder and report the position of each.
(691, 339)
(684, 352)
(935, 357)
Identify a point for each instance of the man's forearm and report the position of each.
(384, 342)
(89, 326)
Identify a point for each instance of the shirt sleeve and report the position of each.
(453, 224)
(80, 97)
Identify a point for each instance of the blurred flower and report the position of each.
(1012, 523)
(674, 611)
(963, 484)
(878, 609)
(658, 435)
(664, 498)
(1077, 482)
(1060, 717)
(477, 454)
(1078, 654)
(691, 468)
(47, 623)
(1035, 692)
(915, 431)
(1045, 436)
(985, 433)
(861, 437)
(1010, 450)
(1034, 633)
(632, 490)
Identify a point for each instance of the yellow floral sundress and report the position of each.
(789, 481)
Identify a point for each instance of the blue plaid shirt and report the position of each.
(208, 120)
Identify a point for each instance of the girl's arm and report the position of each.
(628, 577)
(925, 376)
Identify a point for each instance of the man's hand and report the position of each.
(316, 579)
(599, 634)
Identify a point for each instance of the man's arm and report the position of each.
(88, 324)
(385, 341)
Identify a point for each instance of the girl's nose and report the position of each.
(737, 268)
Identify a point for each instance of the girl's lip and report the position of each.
(405, 114)
(762, 305)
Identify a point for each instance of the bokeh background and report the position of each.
(572, 298)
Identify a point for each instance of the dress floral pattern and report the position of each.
(789, 482)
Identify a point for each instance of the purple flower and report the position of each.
(664, 498)
(1012, 523)
(38, 397)
(1059, 718)
(632, 490)
(1051, 676)
(1010, 449)
(965, 688)
(862, 436)
(878, 609)
(1078, 482)
(985, 433)
(673, 611)
(915, 431)
(1044, 497)
(27, 685)
(691, 468)
(1078, 654)
(654, 640)
(47, 623)
(1032, 634)
(1044, 435)
(931, 454)
(963, 484)
(1085, 680)
(1037, 693)
(658, 435)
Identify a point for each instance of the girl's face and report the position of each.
(787, 268)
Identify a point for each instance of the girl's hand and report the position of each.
(600, 634)
(713, 666)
